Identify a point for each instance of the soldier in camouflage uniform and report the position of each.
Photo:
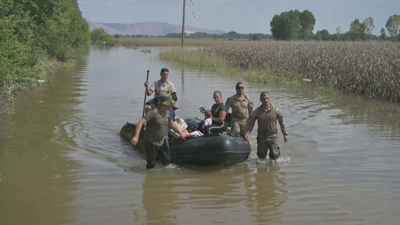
(242, 106)
(160, 86)
(267, 133)
(154, 139)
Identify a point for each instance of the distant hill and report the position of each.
(147, 28)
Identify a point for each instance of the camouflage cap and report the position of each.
(166, 99)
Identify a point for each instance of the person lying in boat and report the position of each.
(218, 113)
(181, 124)
(186, 131)
(158, 87)
(154, 137)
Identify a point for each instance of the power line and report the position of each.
(191, 11)
(198, 22)
(193, 5)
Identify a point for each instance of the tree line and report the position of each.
(37, 29)
(100, 35)
(229, 35)
(297, 25)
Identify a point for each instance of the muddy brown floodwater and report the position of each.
(64, 162)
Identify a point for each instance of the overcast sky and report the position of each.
(242, 16)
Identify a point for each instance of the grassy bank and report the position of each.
(35, 38)
(366, 68)
(42, 71)
(212, 62)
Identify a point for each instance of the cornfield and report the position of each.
(368, 68)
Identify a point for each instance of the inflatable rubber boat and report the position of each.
(215, 149)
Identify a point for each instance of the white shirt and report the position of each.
(207, 121)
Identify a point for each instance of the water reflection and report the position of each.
(265, 188)
(40, 174)
(181, 196)
(159, 202)
(183, 80)
(356, 109)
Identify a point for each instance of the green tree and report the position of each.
(383, 35)
(369, 26)
(357, 30)
(338, 33)
(255, 37)
(307, 23)
(322, 35)
(233, 34)
(393, 27)
(285, 26)
(99, 36)
(33, 30)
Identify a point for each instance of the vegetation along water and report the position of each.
(36, 38)
(366, 68)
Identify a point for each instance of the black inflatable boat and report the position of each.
(215, 149)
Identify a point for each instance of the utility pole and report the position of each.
(183, 23)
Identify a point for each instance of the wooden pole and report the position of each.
(183, 23)
(144, 101)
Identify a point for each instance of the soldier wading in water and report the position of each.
(242, 107)
(267, 133)
(154, 139)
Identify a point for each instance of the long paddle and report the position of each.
(144, 102)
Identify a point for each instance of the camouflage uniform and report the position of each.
(154, 136)
(240, 111)
(267, 133)
(158, 87)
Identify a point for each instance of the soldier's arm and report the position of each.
(228, 104)
(139, 127)
(250, 106)
(282, 122)
(251, 122)
(150, 89)
(173, 89)
(175, 128)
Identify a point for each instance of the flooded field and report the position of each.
(64, 162)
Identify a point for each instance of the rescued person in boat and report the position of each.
(242, 107)
(160, 86)
(182, 126)
(267, 116)
(218, 113)
(154, 139)
(207, 119)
